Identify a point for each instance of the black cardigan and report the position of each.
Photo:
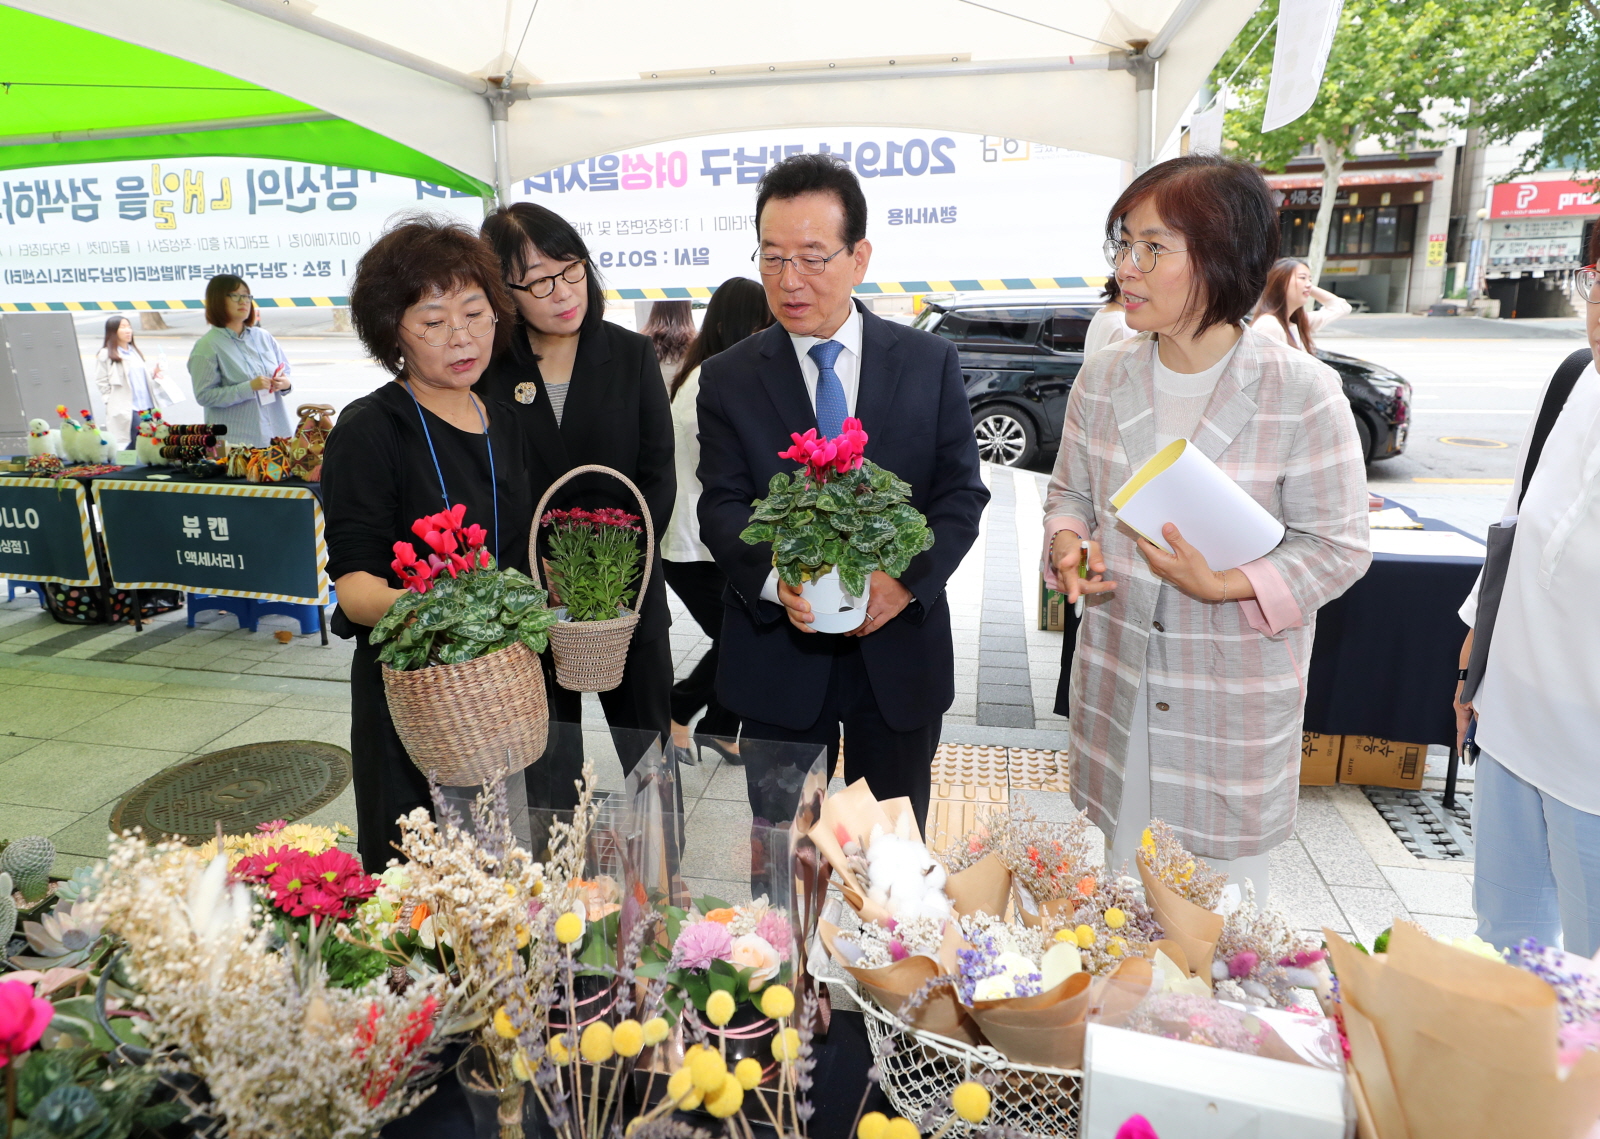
(617, 414)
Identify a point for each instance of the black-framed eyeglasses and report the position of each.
(239, 296)
(541, 287)
(771, 265)
(1588, 282)
(1144, 253)
(437, 333)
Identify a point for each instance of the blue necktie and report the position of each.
(831, 406)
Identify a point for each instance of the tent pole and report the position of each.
(500, 127)
(1144, 74)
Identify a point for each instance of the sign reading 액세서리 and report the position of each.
(45, 533)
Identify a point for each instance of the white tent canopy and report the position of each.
(504, 89)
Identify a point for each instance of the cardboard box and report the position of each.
(1052, 609)
(1374, 762)
(1319, 759)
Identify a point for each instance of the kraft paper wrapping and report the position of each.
(1050, 909)
(1194, 929)
(1046, 1029)
(857, 811)
(941, 1014)
(982, 887)
(1450, 1045)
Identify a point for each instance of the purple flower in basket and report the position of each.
(702, 943)
(774, 929)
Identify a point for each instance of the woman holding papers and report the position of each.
(1188, 679)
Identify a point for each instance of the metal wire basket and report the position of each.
(921, 1070)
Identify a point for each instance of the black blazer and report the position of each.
(912, 403)
(616, 414)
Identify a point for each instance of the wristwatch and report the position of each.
(1462, 674)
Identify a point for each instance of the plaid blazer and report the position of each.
(1226, 682)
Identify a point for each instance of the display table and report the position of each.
(1386, 654)
(46, 532)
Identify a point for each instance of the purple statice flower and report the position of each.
(774, 929)
(1028, 985)
(702, 943)
(1576, 983)
(977, 964)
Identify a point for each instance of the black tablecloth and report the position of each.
(1385, 658)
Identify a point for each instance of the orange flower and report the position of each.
(723, 915)
(419, 914)
(1086, 885)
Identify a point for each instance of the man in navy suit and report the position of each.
(889, 682)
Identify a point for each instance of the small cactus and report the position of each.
(28, 861)
(8, 913)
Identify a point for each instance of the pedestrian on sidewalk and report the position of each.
(737, 309)
(1536, 799)
(1188, 684)
(1284, 312)
(127, 382)
(670, 328)
(238, 370)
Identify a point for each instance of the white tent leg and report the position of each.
(1144, 72)
(501, 128)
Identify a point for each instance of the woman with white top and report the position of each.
(737, 309)
(238, 370)
(1536, 803)
(1284, 312)
(127, 383)
(1110, 324)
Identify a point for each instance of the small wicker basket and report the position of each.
(590, 656)
(467, 723)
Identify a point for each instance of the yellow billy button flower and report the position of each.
(901, 1128)
(693, 1100)
(720, 1007)
(729, 1099)
(628, 1038)
(777, 1002)
(681, 1083)
(708, 1071)
(971, 1101)
(1085, 936)
(1116, 947)
(872, 1125)
(655, 1030)
(537, 888)
(523, 937)
(569, 927)
(1065, 934)
(747, 1072)
(786, 1046)
(1115, 918)
(558, 1051)
(502, 1024)
(596, 1043)
(1147, 842)
(520, 1069)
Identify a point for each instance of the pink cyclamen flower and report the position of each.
(702, 943)
(1136, 1127)
(23, 1018)
(476, 536)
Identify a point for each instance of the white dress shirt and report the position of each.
(1539, 703)
(847, 367)
(681, 542)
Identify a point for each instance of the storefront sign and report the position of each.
(1544, 199)
(44, 532)
(1437, 243)
(232, 539)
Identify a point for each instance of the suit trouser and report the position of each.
(894, 763)
(699, 586)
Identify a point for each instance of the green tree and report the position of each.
(1396, 73)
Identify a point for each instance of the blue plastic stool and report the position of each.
(12, 586)
(249, 611)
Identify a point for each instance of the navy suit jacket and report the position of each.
(912, 403)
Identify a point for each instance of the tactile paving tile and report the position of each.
(1035, 770)
(949, 819)
(969, 763)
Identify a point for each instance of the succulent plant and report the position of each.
(81, 885)
(28, 860)
(61, 938)
(8, 913)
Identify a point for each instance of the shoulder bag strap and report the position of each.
(1555, 398)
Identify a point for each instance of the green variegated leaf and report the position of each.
(832, 551)
(789, 574)
(403, 606)
(482, 632)
(807, 496)
(853, 580)
(771, 509)
(758, 532)
(778, 484)
(519, 599)
(895, 563)
(846, 521)
(832, 498)
(436, 617)
(459, 652)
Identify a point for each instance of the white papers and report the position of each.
(1213, 513)
(1426, 544)
(1394, 518)
(265, 396)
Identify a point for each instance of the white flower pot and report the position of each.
(832, 609)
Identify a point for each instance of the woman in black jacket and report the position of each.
(585, 391)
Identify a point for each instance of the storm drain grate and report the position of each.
(1424, 824)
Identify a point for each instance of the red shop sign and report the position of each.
(1544, 199)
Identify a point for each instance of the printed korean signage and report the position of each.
(1536, 243)
(944, 209)
(1559, 198)
(156, 232)
(44, 532)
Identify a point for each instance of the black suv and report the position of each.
(1021, 352)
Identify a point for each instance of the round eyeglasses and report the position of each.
(1144, 253)
(437, 333)
(771, 265)
(541, 287)
(1588, 282)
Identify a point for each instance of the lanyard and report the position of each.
(494, 490)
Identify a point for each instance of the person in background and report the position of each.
(127, 383)
(737, 309)
(1284, 313)
(671, 329)
(429, 306)
(1187, 689)
(1110, 324)
(1536, 802)
(586, 390)
(239, 372)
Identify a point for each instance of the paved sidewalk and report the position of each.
(87, 713)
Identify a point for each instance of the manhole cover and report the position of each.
(1469, 441)
(1426, 827)
(240, 788)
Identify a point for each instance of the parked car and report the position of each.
(1021, 351)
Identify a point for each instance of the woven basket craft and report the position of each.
(590, 655)
(467, 723)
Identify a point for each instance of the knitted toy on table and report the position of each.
(97, 447)
(42, 440)
(80, 442)
(152, 433)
